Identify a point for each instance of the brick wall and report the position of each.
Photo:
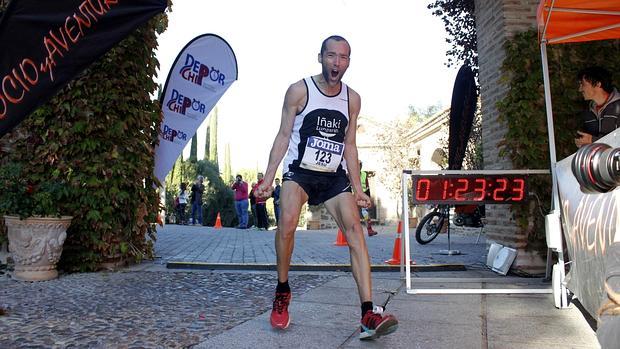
(498, 20)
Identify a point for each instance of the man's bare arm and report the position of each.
(294, 100)
(350, 148)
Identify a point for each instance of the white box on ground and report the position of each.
(504, 260)
(493, 250)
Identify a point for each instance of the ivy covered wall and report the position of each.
(523, 111)
(99, 133)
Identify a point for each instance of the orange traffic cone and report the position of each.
(340, 239)
(395, 260)
(396, 254)
(218, 222)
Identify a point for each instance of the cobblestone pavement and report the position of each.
(155, 309)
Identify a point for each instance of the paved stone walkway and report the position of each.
(149, 306)
(198, 244)
(156, 309)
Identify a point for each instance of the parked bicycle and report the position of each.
(438, 220)
(433, 223)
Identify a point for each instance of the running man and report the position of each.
(319, 120)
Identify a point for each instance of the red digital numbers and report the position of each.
(462, 184)
(480, 191)
(472, 189)
(503, 184)
(519, 189)
(424, 185)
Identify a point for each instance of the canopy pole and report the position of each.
(555, 199)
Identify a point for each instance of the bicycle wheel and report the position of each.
(429, 227)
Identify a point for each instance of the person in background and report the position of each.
(197, 190)
(603, 114)
(253, 205)
(366, 189)
(183, 197)
(241, 201)
(261, 207)
(276, 200)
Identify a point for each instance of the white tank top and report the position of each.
(317, 141)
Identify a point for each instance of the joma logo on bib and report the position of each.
(322, 155)
(323, 144)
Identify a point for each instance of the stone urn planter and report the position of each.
(35, 244)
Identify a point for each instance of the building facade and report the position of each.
(496, 22)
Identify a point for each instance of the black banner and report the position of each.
(44, 44)
(462, 111)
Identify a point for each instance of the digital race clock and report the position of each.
(469, 189)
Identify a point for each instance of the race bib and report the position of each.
(322, 155)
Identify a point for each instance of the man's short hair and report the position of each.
(595, 75)
(200, 178)
(336, 38)
(240, 176)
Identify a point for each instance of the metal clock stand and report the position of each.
(405, 266)
(449, 251)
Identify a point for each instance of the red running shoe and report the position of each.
(279, 315)
(375, 324)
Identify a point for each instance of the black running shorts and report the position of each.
(319, 188)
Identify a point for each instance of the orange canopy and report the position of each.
(562, 21)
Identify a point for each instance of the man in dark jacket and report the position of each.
(197, 190)
(602, 116)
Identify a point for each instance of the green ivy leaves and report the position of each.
(523, 112)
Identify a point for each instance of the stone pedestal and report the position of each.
(36, 244)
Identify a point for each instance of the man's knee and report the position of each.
(288, 224)
(355, 235)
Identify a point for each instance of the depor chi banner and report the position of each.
(202, 72)
(45, 44)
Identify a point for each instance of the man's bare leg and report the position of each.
(345, 211)
(292, 198)
(374, 323)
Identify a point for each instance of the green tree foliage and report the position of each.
(459, 19)
(213, 156)
(248, 174)
(419, 115)
(219, 198)
(193, 153)
(99, 133)
(227, 176)
(399, 154)
(207, 144)
(523, 111)
(182, 172)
